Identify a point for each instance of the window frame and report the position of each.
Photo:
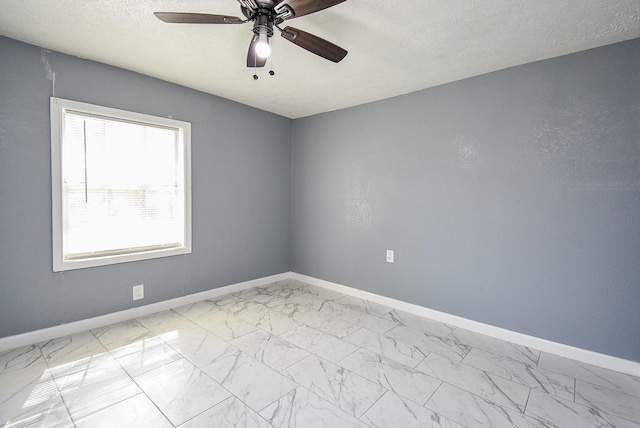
(58, 107)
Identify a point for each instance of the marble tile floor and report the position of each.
(293, 355)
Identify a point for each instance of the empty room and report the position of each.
(320, 213)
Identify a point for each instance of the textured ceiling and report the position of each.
(395, 47)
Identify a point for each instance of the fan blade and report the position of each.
(253, 60)
(314, 44)
(196, 18)
(305, 7)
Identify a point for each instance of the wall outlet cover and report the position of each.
(138, 292)
(390, 256)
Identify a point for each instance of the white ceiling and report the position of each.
(395, 46)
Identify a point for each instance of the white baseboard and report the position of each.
(12, 342)
(578, 354)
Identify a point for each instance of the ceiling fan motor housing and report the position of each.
(263, 20)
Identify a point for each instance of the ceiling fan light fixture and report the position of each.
(263, 47)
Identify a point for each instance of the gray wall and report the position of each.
(512, 198)
(241, 192)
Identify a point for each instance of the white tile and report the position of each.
(425, 325)
(301, 408)
(225, 325)
(322, 293)
(54, 416)
(251, 294)
(70, 348)
(494, 388)
(197, 309)
(609, 401)
(393, 411)
(270, 320)
(27, 392)
(303, 301)
(364, 305)
(138, 346)
(502, 347)
(269, 349)
(166, 321)
(251, 381)
(328, 324)
(472, 411)
(97, 385)
(226, 301)
(564, 413)
(428, 343)
(137, 411)
(20, 358)
(122, 334)
(268, 299)
(531, 376)
(289, 308)
(181, 390)
(396, 350)
(280, 289)
(319, 343)
(231, 413)
(242, 307)
(92, 365)
(403, 380)
(368, 374)
(359, 318)
(200, 346)
(148, 359)
(610, 379)
(343, 388)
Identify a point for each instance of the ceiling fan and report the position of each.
(265, 15)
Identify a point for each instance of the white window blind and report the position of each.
(123, 186)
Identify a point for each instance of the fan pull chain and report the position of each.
(255, 65)
(271, 72)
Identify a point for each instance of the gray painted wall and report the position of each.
(512, 198)
(240, 177)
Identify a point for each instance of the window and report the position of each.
(121, 186)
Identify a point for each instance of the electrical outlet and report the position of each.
(138, 292)
(390, 256)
